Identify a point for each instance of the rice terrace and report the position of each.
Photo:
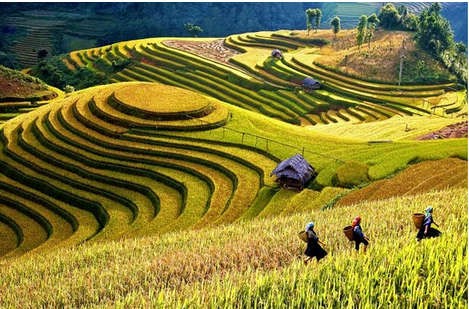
(176, 171)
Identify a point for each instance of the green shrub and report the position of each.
(351, 174)
(54, 72)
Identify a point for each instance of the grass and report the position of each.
(418, 178)
(395, 128)
(257, 262)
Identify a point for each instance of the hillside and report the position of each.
(16, 86)
(91, 166)
(21, 93)
(151, 184)
(243, 73)
(57, 28)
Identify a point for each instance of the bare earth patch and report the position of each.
(455, 130)
(15, 85)
(214, 50)
(380, 60)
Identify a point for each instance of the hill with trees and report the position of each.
(31, 29)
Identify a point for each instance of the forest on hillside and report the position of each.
(62, 27)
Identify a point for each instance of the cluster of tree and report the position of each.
(434, 34)
(366, 29)
(54, 72)
(311, 14)
(393, 18)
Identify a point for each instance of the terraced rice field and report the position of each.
(243, 73)
(135, 159)
(156, 190)
(75, 170)
(43, 29)
(21, 93)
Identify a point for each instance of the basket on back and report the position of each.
(348, 231)
(418, 219)
(303, 236)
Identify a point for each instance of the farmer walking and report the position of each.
(358, 235)
(426, 231)
(313, 249)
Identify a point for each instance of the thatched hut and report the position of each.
(294, 173)
(276, 53)
(310, 83)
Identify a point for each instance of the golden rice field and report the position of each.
(136, 159)
(257, 263)
(418, 178)
(155, 191)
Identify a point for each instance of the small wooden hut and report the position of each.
(276, 53)
(310, 83)
(294, 173)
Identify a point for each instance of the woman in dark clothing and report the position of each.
(358, 235)
(425, 230)
(313, 249)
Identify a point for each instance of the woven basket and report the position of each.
(303, 236)
(418, 219)
(348, 231)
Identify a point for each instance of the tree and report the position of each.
(402, 10)
(460, 48)
(434, 32)
(389, 17)
(372, 20)
(335, 24)
(361, 30)
(435, 8)
(193, 29)
(310, 13)
(317, 18)
(41, 54)
(410, 22)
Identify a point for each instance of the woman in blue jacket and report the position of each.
(358, 235)
(426, 231)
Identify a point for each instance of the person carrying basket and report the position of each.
(313, 248)
(426, 231)
(358, 235)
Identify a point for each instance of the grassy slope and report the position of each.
(14, 84)
(395, 128)
(326, 152)
(257, 261)
(380, 60)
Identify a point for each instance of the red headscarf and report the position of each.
(356, 221)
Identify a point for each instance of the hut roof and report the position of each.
(309, 82)
(276, 52)
(295, 167)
